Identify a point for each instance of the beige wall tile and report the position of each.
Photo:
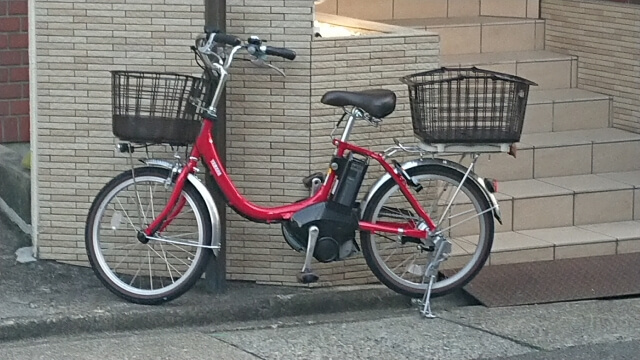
(512, 8)
(581, 115)
(366, 9)
(628, 246)
(464, 8)
(585, 250)
(459, 40)
(533, 9)
(521, 256)
(328, 7)
(562, 161)
(613, 157)
(508, 37)
(538, 118)
(547, 212)
(548, 74)
(418, 9)
(601, 207)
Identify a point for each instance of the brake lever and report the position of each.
(261, 63)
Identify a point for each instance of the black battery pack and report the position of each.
(349, 181)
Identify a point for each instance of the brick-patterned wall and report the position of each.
(14, 71)
(78, 42)
(268, 134)
(605, 37)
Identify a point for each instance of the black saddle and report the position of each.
(378, 103)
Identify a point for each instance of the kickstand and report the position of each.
(441, 253)
(426, 300)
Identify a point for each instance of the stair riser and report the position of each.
(409, 9)
(562, 161)
(547, 74)
(490, 38)
(566, 116)
(571, 210)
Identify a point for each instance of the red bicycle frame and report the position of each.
(205, 148)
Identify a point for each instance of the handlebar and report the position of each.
(281, 52)
(216, 59)
(253, 45)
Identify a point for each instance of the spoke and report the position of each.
(404, 262)
(465, 220)
(150, 272)
(460, 214)
(136, 275)
(118, 248)
(140, 202)
(121, 261)
(393, 253)
(454, 240)
(183, 235)
(390, 245)
(125, 214)
(151, 192)
(174, 268)
(166, 261)
(183, 250)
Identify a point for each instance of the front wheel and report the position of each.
(465, 219)
(160, 269)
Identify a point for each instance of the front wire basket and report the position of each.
(467, 105)
(159, 108)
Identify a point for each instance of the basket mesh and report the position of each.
(158, 108)
(467, 105)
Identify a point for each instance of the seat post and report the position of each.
(356, 113)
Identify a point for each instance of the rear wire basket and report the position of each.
(467, 105)
(158, 108)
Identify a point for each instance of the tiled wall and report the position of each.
(409, 9)
(78, 42)
(14, 71)
(604, 36)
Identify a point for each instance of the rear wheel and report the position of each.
(162, 268)
(466, 220)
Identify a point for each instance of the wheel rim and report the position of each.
(162, 267)
(405, 264)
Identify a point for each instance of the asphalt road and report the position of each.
(582, 330)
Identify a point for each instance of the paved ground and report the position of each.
(54, 311)
(593, 330)
(46, 298)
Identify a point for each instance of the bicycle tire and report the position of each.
(442, 286)
(98, 256)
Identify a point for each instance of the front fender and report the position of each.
(214, 216)
(442, 162)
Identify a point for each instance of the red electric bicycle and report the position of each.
(151, 230)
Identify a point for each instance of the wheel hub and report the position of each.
(142, 237)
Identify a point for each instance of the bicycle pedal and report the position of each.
(307, 277)
(308, 181)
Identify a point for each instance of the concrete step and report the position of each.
(480, 34)
(407, 9)
(565, 242)
(548, 69)
(565, 153)
(566, 109)
(566, 201)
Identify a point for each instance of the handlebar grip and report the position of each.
(226, 39)
(281, 52)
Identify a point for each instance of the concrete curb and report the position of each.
(148, 317)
